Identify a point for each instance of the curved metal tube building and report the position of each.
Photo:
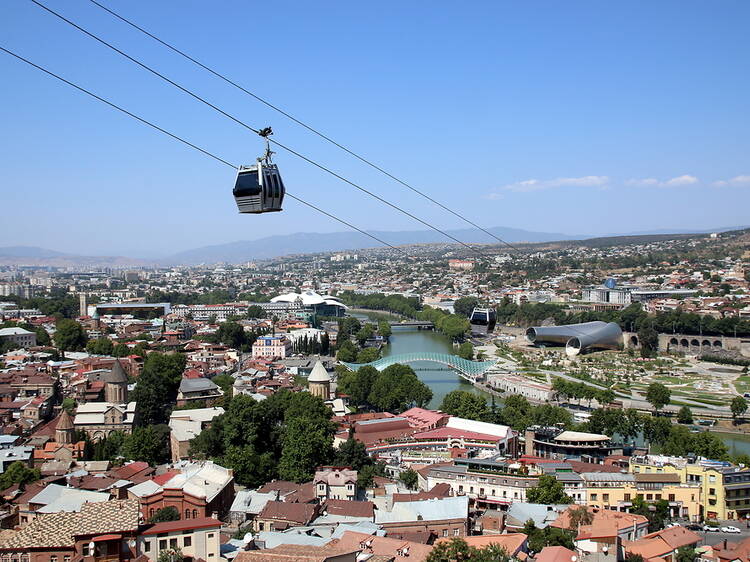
(578, 337)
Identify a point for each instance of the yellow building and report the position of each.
(709, 478)
(617, 491)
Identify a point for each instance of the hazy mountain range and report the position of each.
(299, 243)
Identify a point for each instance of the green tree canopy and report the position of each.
(465, 305)
(397, 388)
(69, 335)
(148, 444)
(738, 407)
(465, 404)
(685, 415)
(658, 395)
(156, 389)
(18, 473)
(165, 514)
(409, 478)
(548, 491)
(466, 350)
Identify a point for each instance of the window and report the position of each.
(649, 496)
(460, 489)
(671, 497)
(445, 532)
(53, 558)
(261, 526)
(712, 491)
(146, 546)
(712, 478)
(456, 532)
(163, 544)
(210, 535)
(187, 514)
(605, 497)
(66, 558)
(592, 497)
(626, 497)
(195, 514)
(187, 541)
(172, 543)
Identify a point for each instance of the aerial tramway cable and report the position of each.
(254, 130)
(188, 143)
(298, 121)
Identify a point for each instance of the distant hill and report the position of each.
(43, 257)
(311, 242)
(28, 252)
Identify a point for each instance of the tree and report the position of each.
(466, 350)
(368, 355)
(657, 429)
(225, 382)
(409, 478)
(156, 388)
(148, 444)
(648, 337)
(465, 305)
(352, 453)
(18, 473)
(307, 444)
(685, 415)
(347, 352)
(170, 555)
(658, 395)
(255, 311)
(68, 404)
(121, 350)
(165, 514)
(69, 335)
(397, 387)
(384, 328)
(633, 557)
(364, 334)
(232, 335)
(100, 346)
(548, 491)
(454, 550)
(251, 469)
(738, 407)
(579, 516)
(685, 554)
(464, 404)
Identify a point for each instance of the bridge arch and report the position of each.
(470, 370)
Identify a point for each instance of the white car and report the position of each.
(730, 529)
(710, 529)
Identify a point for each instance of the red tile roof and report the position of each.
(182, 525)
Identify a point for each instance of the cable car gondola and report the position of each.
(258, 187)
(483, 320)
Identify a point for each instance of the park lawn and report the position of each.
(742, 384)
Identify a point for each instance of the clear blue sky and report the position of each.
(577, 117)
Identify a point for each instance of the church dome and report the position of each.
(319, 374)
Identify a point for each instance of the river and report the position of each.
(441, 380)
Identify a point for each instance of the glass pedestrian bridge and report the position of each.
(469, 370)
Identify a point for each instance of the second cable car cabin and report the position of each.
(258, 187)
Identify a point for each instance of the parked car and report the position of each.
(711, 528)
(694, 527)
(730, 529)
(670, 525)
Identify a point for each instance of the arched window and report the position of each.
(195, 514)
(187, 514)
